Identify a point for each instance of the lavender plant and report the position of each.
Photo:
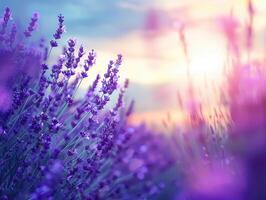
(54, 145)
(213, 161)
(229, 163)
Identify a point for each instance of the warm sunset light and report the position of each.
(153, 52)
(133, 100)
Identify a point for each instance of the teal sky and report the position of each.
(90, 18)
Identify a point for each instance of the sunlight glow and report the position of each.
(207, 63)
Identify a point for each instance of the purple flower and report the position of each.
(5, 99)
(130, 108)
(109, 83)
(93, 86)
(61, 28)
(80, 55)
(4, 21)
(32, 25)
(120, 98)
(90, 60)
(54, 143)
(70, 54)
(13, 34)
(215, 182)
(53, 43)
(59, 31)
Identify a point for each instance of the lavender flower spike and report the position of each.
(6, 18)
(60, 30)
(32, 25)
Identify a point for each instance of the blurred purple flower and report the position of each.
(214, 182)
(32, 25)
(5, 99)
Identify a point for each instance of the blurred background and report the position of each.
(148, 34)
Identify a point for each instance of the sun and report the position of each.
(207, 61)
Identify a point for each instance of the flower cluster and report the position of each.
(54, 145)
(16, 58)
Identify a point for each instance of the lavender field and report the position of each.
(132, 100)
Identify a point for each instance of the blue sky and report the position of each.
(90, 18)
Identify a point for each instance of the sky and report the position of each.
(146, 32)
